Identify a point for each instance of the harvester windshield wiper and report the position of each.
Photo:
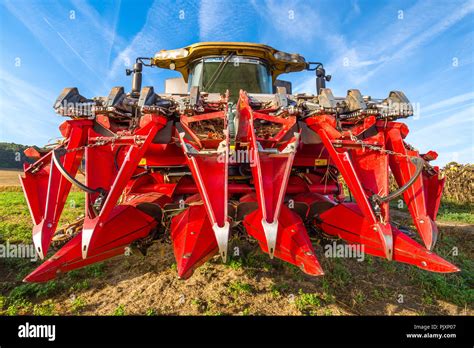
(218, 72)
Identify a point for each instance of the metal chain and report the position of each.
(100, 142)
(379, 149)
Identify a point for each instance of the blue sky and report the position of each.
(424, 48)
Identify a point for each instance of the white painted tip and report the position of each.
(388, 246)
(86, 239)
(434, 238)
(270, 230)
(222, 237)
(37, 243)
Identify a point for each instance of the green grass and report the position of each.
(455, 288)
(15, 221)
(81, 285)
(278, 289)
(17, 307)
(47, 308)
(34, 290)
(256, 260)
(17, 298)
(246, 312)
(96, 270)
(16, 226)
(238, 287)
(359, 297)
(235, 264)
(448, 211)
(78, 305)
(119, 311)
(307, 303)
(151, 312)
(339, 275)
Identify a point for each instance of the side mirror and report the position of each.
(321, 76)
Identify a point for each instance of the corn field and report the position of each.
(459, 186)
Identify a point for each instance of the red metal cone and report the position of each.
(293, 244)
(194, 241)
(69, 257)
(125, 225)
(334, 222)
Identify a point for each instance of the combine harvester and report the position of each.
(229, 148)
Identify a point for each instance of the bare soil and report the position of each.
(9, 177)
(9, 180)
(142, 285)
(252, 284)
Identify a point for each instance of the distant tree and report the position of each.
(12, 156)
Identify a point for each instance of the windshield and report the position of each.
(251, 75)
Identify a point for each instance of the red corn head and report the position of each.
(161, 166)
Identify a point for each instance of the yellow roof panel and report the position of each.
(186, 55)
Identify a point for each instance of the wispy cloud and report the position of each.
(168, 25)
(72, 48)
(423, 23)
(449, 102)
(114, 42)
(26, 111)
(360, 57)
(226, 20)
(77, 40)
(449, 133)
(465, 116)
(291, 21)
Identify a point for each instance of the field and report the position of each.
(9, 177)
(249, 284)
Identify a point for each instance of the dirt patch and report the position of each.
(9, 177)
(252, 284)
(9, 180)
(141, 285)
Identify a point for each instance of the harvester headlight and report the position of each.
(172, 54)
(289, 57)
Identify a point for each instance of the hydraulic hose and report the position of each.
(419, 163)
(56, 154)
